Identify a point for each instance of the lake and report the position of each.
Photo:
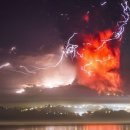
(74, 127)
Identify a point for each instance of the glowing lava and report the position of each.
(99, 63)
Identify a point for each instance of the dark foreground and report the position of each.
(56, 114)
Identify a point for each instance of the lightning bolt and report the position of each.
(5, 65)
(27, 70)
(121, 24)
(70, 49)
(51, 66)
(117, 35)
(103, 3)
(95, 59)
(12, 50)
(8, 65)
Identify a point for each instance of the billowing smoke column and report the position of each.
(98, 57)
(99, 63)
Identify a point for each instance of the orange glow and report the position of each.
(99, 63)
(86, 18)
(102, 127)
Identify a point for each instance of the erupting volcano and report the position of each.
(99, 63)
(98, 54)
(77, 44)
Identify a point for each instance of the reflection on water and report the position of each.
(82, 127)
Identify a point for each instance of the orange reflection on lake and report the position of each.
(102, 127)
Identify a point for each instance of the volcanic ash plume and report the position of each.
(99, 63)
(98, 55)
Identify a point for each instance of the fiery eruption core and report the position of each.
(98, 57)
(99, 63)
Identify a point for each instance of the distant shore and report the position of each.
(59, 123)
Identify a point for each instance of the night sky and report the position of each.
(39, 29)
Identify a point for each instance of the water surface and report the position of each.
(75, 127)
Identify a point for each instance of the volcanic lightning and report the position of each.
(70, 49)
(103, 3)
(98, 58)
(5, 65)
(100, 62)
(12, 50)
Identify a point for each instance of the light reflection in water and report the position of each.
(103, 127)
(82, 127)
